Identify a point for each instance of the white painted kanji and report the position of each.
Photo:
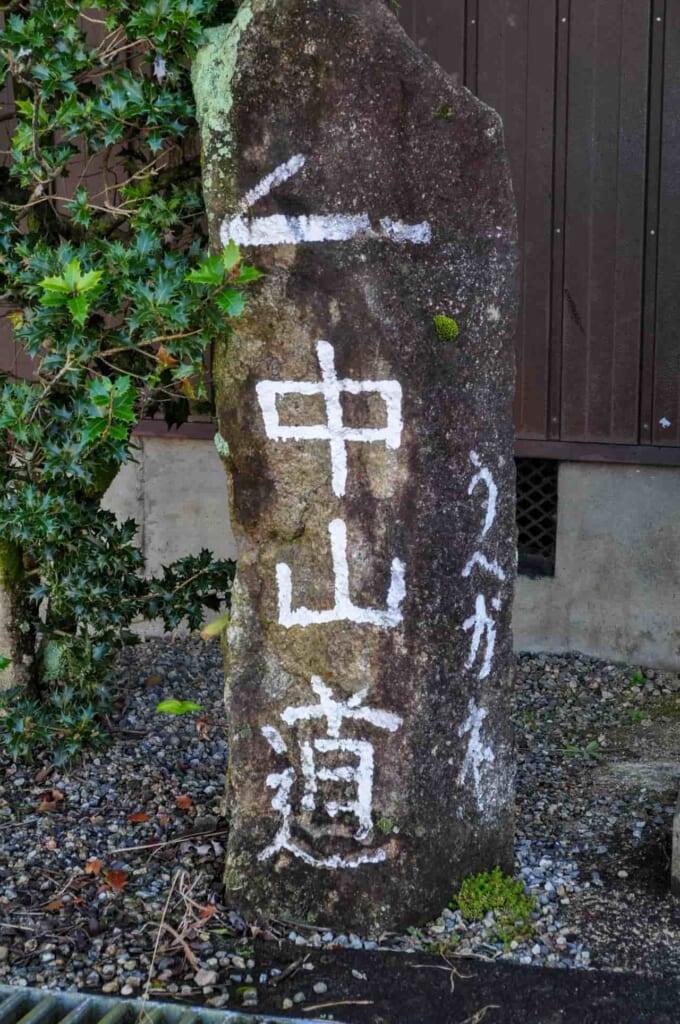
(279, 229)
(344, 608)
(334, 430)
(483, 630)
(357, 774)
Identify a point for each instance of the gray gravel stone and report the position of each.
(568, 837)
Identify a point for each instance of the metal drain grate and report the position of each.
(536, 516)
(34, 1006)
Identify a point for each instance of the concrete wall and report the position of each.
(616, 589)
(177, 492)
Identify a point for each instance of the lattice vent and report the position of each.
(536, 516)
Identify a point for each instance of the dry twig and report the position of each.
(170, 842)
(343, 1002)
(479, 1016)
(289, 971)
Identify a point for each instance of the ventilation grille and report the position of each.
(34, 1006)
(536, 516)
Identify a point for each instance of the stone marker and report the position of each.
(369, 452)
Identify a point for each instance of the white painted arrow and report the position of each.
(325, 227)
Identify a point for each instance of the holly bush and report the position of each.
(106, 279)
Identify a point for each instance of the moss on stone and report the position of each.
(232, 879)
(446, 327)
(662, 707)
(443, 112)
(10, 564)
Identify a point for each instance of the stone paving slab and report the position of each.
(675, 857)
(398, 988)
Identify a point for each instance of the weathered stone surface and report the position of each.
(369, 657)
(13, 643)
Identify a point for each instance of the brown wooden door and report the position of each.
(589, 92)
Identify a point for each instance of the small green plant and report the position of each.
(440, 944)
(636, 715)
(446, 327)
(636, 679)
(504, 897)
(585, 752)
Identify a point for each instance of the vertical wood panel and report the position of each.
(471, 44)
(438, 27)
(666, 403)
(651, 258)
(516, 76)
(604, 229)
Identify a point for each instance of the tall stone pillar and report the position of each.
(364, 407)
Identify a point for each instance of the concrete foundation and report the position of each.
(177, 493)
(616, 589)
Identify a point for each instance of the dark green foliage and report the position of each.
(106, 281)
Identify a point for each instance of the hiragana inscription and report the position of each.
(481, 623)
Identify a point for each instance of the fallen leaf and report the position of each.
(138, 818)
(93, 867)
(177, 707)
(215, 627)
(54, 905)
(183, 802)
(153, 680)
(116, 879)
(203, 727)
(205, 913)
(49, 800)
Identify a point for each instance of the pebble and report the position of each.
(320, 988)
(567, 837)
(250, 997)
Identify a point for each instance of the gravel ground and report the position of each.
(120, 854)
